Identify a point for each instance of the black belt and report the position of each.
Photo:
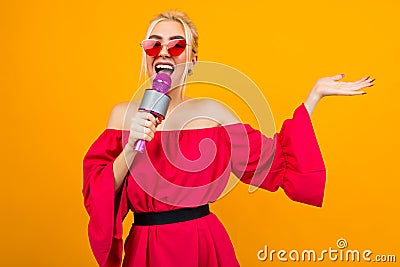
(171, 216)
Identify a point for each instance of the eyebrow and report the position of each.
(158, 37)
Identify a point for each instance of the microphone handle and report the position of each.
(139, 145)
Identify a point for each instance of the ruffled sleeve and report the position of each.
(105, 208)
(291, 159)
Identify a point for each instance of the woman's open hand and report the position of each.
(332, 86)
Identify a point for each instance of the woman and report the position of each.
(172, 223)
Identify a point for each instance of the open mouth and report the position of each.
(164, 68)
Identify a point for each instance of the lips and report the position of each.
(164, 67)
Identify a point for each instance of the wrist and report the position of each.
(314, 96)
(311, 101)
(128, 148)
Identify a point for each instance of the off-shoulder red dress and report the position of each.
(190, 168)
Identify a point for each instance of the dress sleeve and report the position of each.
(105, 208)
(291, 160)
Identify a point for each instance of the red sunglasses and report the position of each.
(153, 47)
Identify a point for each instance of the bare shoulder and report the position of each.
(218, 110)
(118, 114)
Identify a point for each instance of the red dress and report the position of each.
(189, 168)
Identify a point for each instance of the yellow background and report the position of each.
(64, 64)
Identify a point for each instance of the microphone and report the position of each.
(155, 101)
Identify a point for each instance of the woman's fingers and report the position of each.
(136, 135)
(352, 88)
(362, 79)
(147, 116)
(146, 124)
(338, 77)
(357, 85)
(363, 84)
(143, 126)
(139, 132)
(352, 92)
(146, 119)
(368, 81)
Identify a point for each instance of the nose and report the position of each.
(164, 51)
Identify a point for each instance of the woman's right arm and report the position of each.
(142, 126)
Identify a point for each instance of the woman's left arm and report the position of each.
(332, 86)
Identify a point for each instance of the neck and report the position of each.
(177, 97)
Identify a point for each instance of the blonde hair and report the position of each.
(191, 35)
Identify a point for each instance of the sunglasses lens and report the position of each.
(151, 47)
(176, 47)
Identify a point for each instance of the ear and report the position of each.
(194, 60)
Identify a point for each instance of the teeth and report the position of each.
(162, 66)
